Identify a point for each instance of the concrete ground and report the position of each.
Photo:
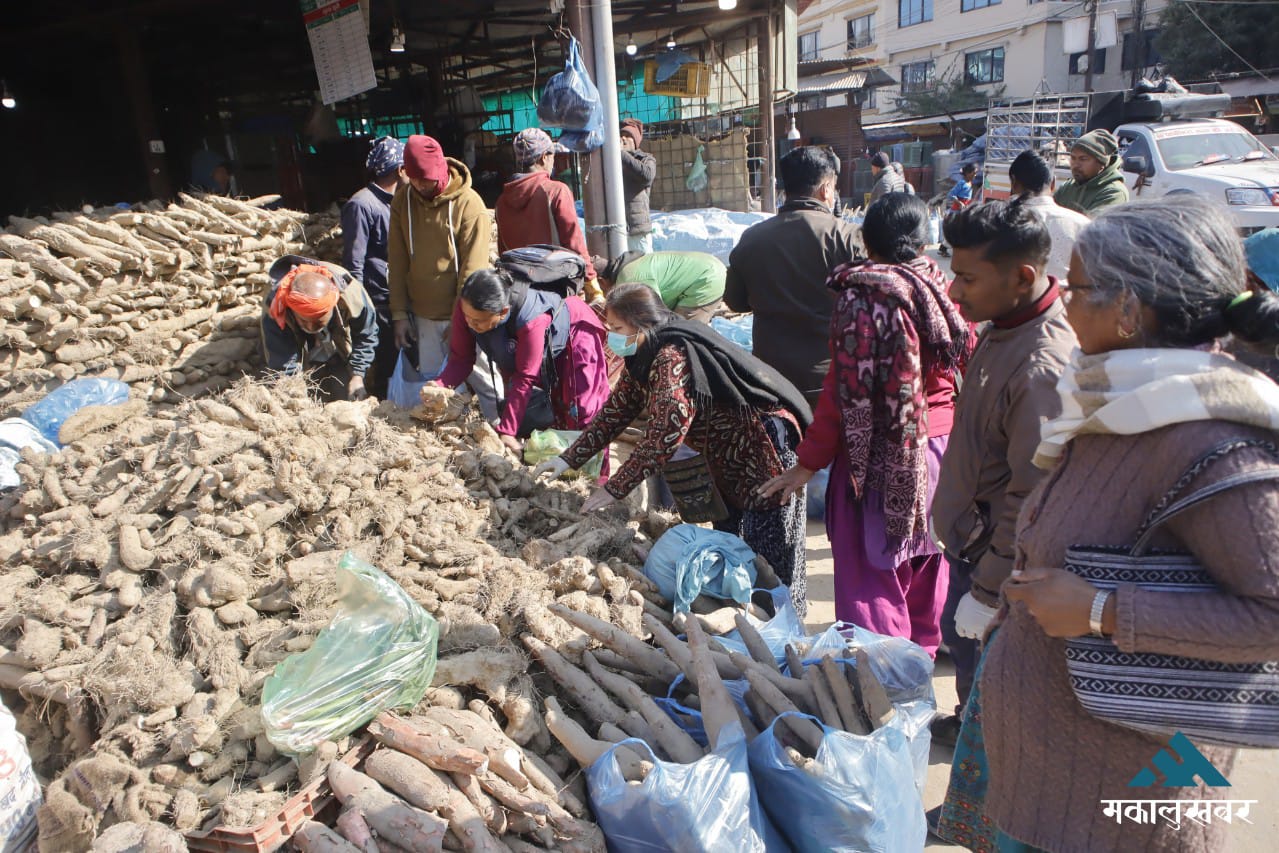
(1255, 777)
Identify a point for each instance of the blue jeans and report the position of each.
(963, 651)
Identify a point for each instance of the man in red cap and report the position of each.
(639, 168)
(440, 233)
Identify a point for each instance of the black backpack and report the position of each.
(553, 269)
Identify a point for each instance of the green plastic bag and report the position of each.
(546, 444)
(378, 653)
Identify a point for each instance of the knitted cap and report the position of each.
(424, 159)
(880, 160)
(634, 128)
(531, 144)
(1099, 143)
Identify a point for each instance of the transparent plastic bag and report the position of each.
(546, 444)
(378, 653)
(786, 627)
(404, 388)
(570, 99)
(709, 805)
(859, 796)
(697, 180)
(688, 560)
(49, 414)
(582, 141)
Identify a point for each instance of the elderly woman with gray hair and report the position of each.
(1152, 412)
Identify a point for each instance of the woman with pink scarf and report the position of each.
(883, 420)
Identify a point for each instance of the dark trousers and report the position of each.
(384, 357)
(963, 651)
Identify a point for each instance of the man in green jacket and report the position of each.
(1096, 181)
(690, 283)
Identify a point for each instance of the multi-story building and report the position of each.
(1016, 47)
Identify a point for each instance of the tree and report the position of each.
(1191, 52)
(955, 94)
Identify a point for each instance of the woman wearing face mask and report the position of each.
(705, 392)
(536, 340)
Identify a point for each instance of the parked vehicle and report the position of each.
(1170, 144)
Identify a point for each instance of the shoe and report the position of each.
(933, 818)
(943, 250)
(945, 729)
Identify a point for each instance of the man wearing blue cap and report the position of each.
(366, 221)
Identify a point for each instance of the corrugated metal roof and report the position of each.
(845, 81)
(938, 119)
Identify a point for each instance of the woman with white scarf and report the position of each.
(1153, 289)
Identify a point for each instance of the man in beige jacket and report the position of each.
(440, 233)
(1000, 260)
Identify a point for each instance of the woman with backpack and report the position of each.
(549, 350)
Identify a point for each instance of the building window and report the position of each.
(1079, 62)
(1149, 53)
(808, 49)
(868, 100)
(985, 66)
(969, 5)
(861, 32)
(911, 12)
(811, 102)
(917, 76)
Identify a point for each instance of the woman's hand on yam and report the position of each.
(788, 483)
(1058, 600)
(599, 499)
(555, 466)
(512, 443)
(355, 389)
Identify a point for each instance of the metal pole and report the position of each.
(768, 186)
(593, 164)
(144, 123)
(1092, 44)
(606, 81)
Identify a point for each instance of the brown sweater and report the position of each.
(1050, 762)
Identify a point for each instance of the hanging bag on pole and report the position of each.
(570, 100)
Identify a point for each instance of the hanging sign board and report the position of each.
(340, 46)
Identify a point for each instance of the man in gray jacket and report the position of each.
(780, 265)
(639, 168)
(1000, 261)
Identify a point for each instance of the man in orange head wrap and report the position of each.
(317, 318)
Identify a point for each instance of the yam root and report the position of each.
(388, 815)
(431, 750)
(718, 711)
(314, 837)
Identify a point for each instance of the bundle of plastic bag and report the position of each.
(546, 444)
(697, 180)
(378, 653)
(570, 100)
(16, 434)
(689, 560)
(858, 795)
(709, 805)
(50, 413)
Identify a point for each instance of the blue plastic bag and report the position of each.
(817, 493)
(690, 719)
(709, 805)
(739, 330)
(689, 560)
(582, 141)
(570, 100)
(905, 670)
(859, 797)
(49, 414)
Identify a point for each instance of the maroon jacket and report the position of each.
(528, 207)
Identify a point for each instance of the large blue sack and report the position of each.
(860, 796)
(708, 806)
(50, 413)
(689, 560)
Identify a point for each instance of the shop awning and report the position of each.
(935, 125)
(845, 81)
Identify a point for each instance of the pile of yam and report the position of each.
(166, 297)
(158, 568)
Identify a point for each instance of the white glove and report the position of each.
(555, 466)
(972, 617)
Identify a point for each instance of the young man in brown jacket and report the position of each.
(1000, 260)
